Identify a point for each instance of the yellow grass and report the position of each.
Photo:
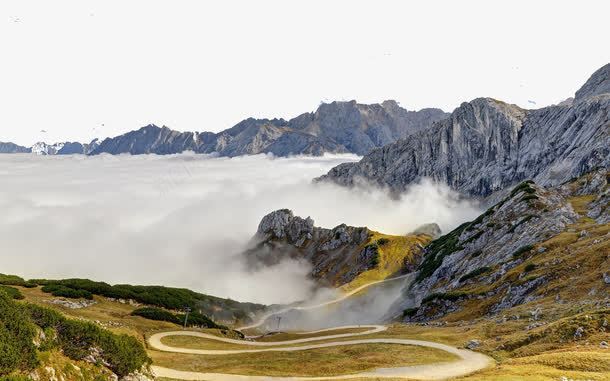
(392, 257)
(315, 362)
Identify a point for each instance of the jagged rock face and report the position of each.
(597, 84)
(338, 127)
(336, 255)
(487, 146)
(13, 148)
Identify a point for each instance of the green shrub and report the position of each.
(452, 296)
(475, 273)
(14, 280)
(438, 249)
(153, 313)
(124, 353)
(17, 350)
(530, 267)
(408, 312)
(383, 241)
(522, 250)
(12, 292)
(66, 292)
(194, 319)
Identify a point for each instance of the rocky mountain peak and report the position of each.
(597, 84)
(283, 225)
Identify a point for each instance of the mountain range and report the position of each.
(337, 127)
(486, 146)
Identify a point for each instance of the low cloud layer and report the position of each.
(183, 220)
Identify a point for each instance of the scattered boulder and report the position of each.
(473, 344)
(579, 333)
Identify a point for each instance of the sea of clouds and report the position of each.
(183, 220)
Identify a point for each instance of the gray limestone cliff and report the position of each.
(487, 146)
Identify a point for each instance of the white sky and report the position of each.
(86, 68)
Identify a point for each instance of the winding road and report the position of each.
(468, 362)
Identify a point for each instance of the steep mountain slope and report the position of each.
(13, 148)
(343, 256)
(528, 282)
(536, 245)
(335, 127)
(486, 146)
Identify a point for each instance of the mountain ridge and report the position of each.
(486, 146)
(336, 127)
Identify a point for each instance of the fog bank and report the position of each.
(182, 220)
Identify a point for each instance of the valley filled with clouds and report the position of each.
(184, 220)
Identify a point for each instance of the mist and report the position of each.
(183, 220)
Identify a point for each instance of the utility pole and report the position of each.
(186, 316)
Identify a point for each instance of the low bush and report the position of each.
(14, 280)
(17, 350)
(408, 312)
(438, 249)
(522, 250)
(66, 292)
(530, 267)
(452, 296)
(475, 273)
(383, 241)
(153, 313)
(124, 353)
(195, 319)
(12, 292)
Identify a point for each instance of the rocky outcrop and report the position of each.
(337, 127)
(487, 146)
(337, 255)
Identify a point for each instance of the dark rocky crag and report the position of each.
(487, 146)
(336, 255)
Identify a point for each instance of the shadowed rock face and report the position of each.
(337, 127)
(337, 255)
(487, 145)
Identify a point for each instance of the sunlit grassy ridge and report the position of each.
(394, 254)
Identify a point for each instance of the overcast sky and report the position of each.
(86, 68)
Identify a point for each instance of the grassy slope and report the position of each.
(393, 256)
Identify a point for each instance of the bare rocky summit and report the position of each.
(487, 146)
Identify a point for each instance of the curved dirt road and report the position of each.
(469, 361)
